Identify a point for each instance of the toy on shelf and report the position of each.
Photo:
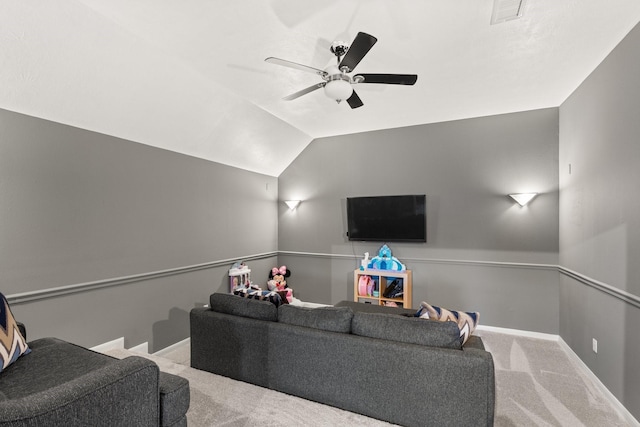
(277, 281)
(240, 277)
(366, 286)
(385, 261)
(365, 262)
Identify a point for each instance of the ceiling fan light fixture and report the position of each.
(335, 78)
(338, 89)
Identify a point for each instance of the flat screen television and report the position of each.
(387, 218)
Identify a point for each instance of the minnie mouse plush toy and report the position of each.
(277, 281)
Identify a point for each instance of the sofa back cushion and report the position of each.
(245, 307)
(411, 330)
(333, 319)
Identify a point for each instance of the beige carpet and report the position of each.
(537, 384)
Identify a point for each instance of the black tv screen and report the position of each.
(387, 218)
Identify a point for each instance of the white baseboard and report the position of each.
(518, 332)
(141, 348)
(116, 344)
(582, 367)
(172, 347)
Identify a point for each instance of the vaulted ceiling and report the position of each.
(189, 76)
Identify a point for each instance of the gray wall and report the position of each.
(480, 245)
(600, 220)
(78, 208)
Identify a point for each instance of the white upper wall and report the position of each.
(191, 78)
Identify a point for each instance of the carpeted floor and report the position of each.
(537, 384)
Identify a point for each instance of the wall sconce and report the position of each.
(292, 203)
(523, 198)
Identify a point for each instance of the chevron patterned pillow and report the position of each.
(12, 343)
(467, 321)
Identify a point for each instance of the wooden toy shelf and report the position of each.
(382, 278)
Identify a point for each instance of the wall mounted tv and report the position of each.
(387, 218)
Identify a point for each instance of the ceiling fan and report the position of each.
(337, 82)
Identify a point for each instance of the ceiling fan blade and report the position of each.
(299, 93)
(354, 100)
(296, 66)
(390, 79)
(358, 49)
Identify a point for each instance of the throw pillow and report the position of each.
(271, 296)
(12, 343)
(467, 321)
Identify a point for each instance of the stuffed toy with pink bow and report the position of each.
(278, 281)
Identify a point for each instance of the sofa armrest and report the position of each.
(174, 399)
(229, 345)
(124, 392)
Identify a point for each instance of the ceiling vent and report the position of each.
(506, 10)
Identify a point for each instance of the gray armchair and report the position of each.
(62, 384)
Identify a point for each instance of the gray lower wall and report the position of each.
(480, 244)
(504, 294)
(78, 208)
(600, 221)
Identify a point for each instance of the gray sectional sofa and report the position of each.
(62, 384)
(358, 357)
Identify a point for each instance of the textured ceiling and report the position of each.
(189, 76)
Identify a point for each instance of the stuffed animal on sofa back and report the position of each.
(278, 281)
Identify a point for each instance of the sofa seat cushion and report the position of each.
(174, 399)
(51, 362)
(411, 330)
(60, 384)
(237, 306)
(332, 319)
